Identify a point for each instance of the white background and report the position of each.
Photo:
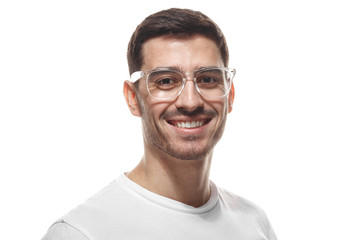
(291, 143)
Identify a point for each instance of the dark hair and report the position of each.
(178, 22)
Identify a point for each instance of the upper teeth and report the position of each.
(192, 124)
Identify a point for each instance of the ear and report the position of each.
(130, 98)
(231, 98)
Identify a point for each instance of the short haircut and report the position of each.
(175, 22)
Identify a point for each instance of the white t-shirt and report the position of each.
(125, 210)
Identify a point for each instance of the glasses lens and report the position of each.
(164, 84)
(213, 82)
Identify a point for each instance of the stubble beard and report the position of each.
(187, 149)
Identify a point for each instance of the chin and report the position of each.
(189, 152)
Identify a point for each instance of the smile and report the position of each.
(189, 124)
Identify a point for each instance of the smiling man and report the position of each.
(181, 87)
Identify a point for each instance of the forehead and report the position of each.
(184, 53)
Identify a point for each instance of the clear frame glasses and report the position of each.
(168, 83)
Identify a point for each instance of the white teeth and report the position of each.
(193, 124)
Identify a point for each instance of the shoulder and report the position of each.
(92, 214)
(98, 207)
(237, 202)
(64, 231)
(246, 210)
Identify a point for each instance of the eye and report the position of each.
(165, 81)
(208, 80)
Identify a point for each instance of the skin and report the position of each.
(176, 161)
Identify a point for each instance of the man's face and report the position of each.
(189, 126)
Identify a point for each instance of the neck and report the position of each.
(186, 181)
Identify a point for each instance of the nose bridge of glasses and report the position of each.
(189, 76)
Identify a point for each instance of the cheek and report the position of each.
(153, 111)
(221, 107)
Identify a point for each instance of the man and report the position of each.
(182, 89)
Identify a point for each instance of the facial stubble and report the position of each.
(154, 136)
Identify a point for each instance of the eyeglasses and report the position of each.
(167, 83)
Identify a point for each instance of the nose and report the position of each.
(189, 98)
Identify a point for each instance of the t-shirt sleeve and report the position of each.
(64, 231)
(266, 226)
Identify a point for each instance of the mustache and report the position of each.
(183, 112)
